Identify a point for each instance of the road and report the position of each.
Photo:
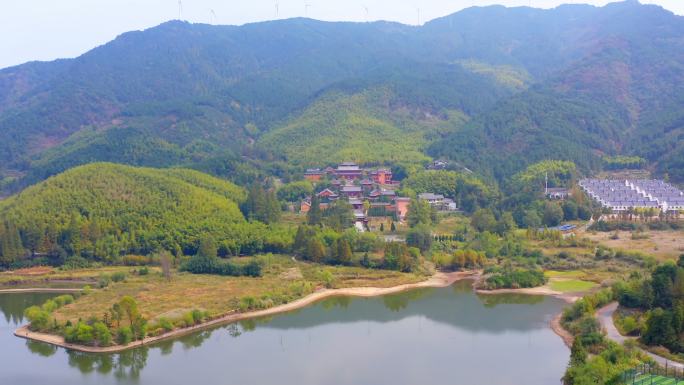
(605, 317)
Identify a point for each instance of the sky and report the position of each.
(51, 29)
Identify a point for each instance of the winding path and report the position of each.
(605, 316)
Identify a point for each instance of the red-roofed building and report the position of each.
(313, 174)
(381, 176)
(349, 171)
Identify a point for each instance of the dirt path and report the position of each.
(39, 290)
(437, 280)
(605, 317)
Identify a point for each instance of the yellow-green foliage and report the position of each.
(557, 170)
(102, 209)
(356, 127)
(208, 182)
(510, 76)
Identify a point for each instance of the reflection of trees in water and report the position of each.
(333, 302)
(234, 330)
(491, 300)
(124, 366)
(12, 305)
(396, 302)
(41, 348)
(165, 347)
(195, 340)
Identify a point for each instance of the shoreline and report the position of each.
(555, 323)
(435, 281)
(539, 290)
(43, 290)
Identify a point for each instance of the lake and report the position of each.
(426, 336)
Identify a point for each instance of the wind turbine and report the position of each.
(212, 16)
(180, 10)
(306, 9)
(366, 9)
(418, 9)
(277, 9)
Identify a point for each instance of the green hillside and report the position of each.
(101, 211)
(623, 99)
(575, 82)
(386, 118)
(341, 127)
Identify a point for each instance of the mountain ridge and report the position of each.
(190, 93)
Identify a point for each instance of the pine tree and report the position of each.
(273, 210)
(393, 227)
(382, 227)
(315, 251)
(314, 215)
(299, 245)
(344, 252)
(11, 247)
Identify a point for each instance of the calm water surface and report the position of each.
(427, 336)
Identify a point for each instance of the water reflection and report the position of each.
(126, 365)
(431, 323)
(457, 307)
(41, 349)
(490, 300)
(12, 305)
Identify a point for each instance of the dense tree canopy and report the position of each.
(102, 211)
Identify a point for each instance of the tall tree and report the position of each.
(483, 220)
(339, 215)
(419, 211)
(344, 252)
(314, 216)
(315, 250)
(207, 247)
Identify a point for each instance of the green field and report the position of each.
(571, 285)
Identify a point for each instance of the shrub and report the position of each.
(103, 281)
(102, 334)
(135, 260)
(39, 319)
(165, 324)
(119, 276)
(515, 279)
(65, 299)
(188, 319)
(249, 303)
(124, 335)
(50, 306)
(630, 325)
(143, 271)
(197, 316)
(80, 333)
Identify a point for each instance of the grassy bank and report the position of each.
(283, 280)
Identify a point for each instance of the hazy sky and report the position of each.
(50, 29)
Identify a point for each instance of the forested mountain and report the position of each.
(101, 211)
(495, 88)
(623, 97)
(386, 117)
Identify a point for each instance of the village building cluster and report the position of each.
(370, 192)
(624, 195)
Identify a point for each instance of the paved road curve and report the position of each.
(605, 316)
